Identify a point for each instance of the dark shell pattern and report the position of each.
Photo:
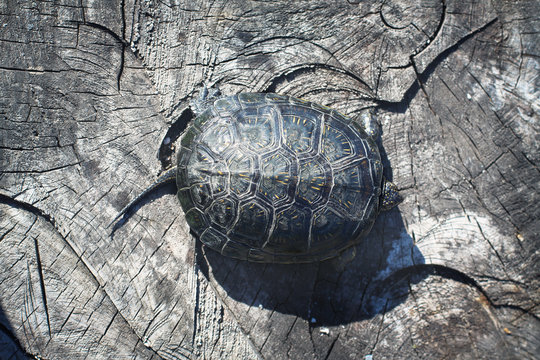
(270, 178)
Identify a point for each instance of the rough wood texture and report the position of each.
(90, 91)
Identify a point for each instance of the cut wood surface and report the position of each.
(95, 96)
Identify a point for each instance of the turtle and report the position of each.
(271, 178)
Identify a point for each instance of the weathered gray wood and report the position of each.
(90, 90)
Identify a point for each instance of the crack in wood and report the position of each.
(331, 347)
(421, 77)
(437, 30)
(42, 285)
(291, 74)
(40, 171)
(120, 40)
(380, 328)
(197, 304)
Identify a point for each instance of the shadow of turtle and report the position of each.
(332, 292)
(10, 347)
(365, 280)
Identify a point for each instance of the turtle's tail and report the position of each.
(167, 177)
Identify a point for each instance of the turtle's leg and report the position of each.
(213, 93)
(167, 177)
(370, 124)
(206, 96)
(390, 196)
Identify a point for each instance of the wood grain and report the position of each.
(92, 92)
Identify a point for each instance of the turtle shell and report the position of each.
(270, 178)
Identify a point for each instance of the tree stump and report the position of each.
(95, 96)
